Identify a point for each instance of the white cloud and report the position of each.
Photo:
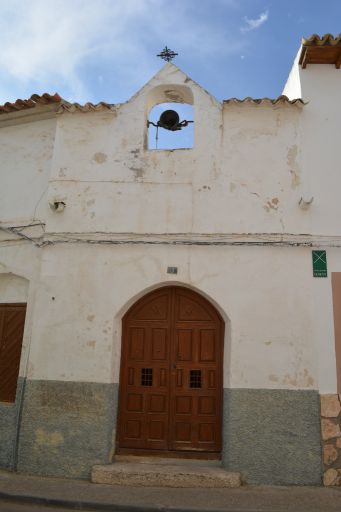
(43, 47)
(67, 44)
(256, 23)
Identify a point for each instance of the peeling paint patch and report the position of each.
(293, 166)
(289, 379)
(138, 171)
(299, 379)
(90, 318)
(173, 96)
(295, 179)
(91, 343)
(135, 152)
(308, 378)
(271, 204)
(291, 155)
(100, 158)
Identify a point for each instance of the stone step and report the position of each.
(165, 474)
(167, 460)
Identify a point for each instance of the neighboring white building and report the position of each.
(93, 223)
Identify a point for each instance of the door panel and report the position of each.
(171, 373)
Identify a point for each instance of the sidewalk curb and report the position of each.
(113, 507)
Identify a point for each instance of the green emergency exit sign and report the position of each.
(319, 263)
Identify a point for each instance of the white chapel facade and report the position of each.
(166, 299)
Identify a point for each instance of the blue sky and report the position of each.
(105, 50)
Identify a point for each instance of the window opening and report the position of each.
(167, 131)
(195, 379)
(146, 376)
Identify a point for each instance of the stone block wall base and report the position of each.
(331, 439)
(66, 427)
(9, 417)
(273, 436)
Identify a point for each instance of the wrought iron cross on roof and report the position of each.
(167, 54)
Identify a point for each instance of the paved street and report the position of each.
(57, 494)
(15, 507)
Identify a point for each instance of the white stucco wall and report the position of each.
(242, 181)
(13, 288)
(244, 156)
(25, 161)
(87, 290)
(320, 87)
(292, 87)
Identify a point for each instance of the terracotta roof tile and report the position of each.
(261, 101)
(48, 99)
(326, 40)
(321, 50)
(65, 106)
(88, 107)
(32, 102)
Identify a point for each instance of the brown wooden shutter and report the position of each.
(12, 322)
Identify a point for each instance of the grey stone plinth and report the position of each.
(9, 420)
(272, 436)
(66, 428)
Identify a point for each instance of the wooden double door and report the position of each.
(171, 374)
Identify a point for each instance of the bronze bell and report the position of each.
(169, 120)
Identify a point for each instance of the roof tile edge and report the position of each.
(326, 40)
(273, 101)
(37, 100)
(321, 50)
(33, 101)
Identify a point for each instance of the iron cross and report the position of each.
(167, 54)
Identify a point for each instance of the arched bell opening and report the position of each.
(169, 136)
(171, 126)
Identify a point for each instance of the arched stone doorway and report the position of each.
(171, 374)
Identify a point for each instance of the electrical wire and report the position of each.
(174, 239)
